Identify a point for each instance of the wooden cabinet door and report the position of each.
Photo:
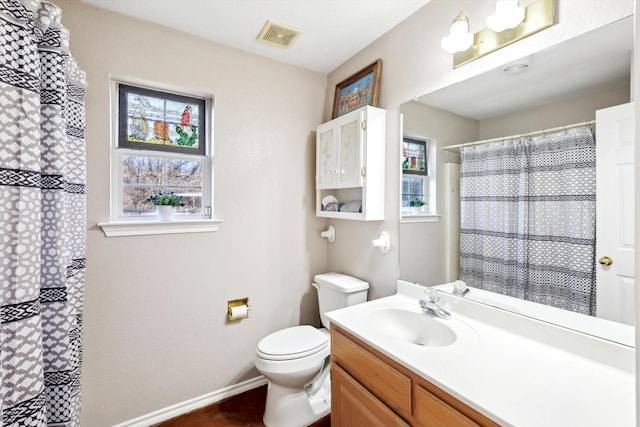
(381, 379)
(352, 405)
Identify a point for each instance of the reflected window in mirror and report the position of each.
(416, 158)
(413, 190)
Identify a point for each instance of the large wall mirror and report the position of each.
(561, 85)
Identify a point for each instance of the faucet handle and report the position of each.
(430, 304)
(460, 288)
(432, 294)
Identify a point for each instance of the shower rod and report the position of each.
(537, 132)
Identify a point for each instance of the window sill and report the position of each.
(147, 228)
(423, 217)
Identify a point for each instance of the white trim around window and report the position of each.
(149, 224)
(146, 228)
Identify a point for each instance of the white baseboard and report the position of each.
(193, 404)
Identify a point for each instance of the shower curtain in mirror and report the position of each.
(42, 218)
(528, 218)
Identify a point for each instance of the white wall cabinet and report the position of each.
(350, 163)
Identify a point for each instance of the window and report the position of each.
(412, 189)
(147, 174)
(415, 175)
(163, 143)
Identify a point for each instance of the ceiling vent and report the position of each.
(278, 34)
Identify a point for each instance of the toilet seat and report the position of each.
(292, 343)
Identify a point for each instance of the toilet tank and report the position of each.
(336, 290)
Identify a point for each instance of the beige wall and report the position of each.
(154, 317)
(415, 64)
(580, 108)
(422, 245)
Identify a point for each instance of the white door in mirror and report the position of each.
(615, 189)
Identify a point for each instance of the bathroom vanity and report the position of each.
(393, 365)
(360, 373)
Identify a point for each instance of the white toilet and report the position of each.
(296, 360)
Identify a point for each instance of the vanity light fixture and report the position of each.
(509, 24)
(459, 38)
(509, 14)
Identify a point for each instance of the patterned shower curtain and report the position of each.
(528, 218)
(42, 217)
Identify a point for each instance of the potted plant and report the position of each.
(166, 203)
(417, 206)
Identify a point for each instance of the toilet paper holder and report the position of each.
(238, 309)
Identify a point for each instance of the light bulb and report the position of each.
(459, 38)
(509, 14)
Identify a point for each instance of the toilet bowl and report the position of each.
(291, 359)
(295, 360)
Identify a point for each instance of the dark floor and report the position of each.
(245, 410)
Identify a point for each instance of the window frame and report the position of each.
(423, 179)
(422, 145)
(429, 178)
(123, 225)
(118, 184)
(122, 107)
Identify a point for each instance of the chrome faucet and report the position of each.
(460, 288)
(430, 304)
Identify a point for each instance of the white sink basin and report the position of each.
(413, 327)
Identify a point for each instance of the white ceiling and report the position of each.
(332, 30)
(335, 30)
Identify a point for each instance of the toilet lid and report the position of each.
(292, 343)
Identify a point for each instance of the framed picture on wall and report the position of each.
(358, 90)
(414, 156)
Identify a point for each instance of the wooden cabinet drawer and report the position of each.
(431, 411)
(385, 382)
(352, 405)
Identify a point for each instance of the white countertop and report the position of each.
(525, 374)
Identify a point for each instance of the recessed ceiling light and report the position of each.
(517, 68)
